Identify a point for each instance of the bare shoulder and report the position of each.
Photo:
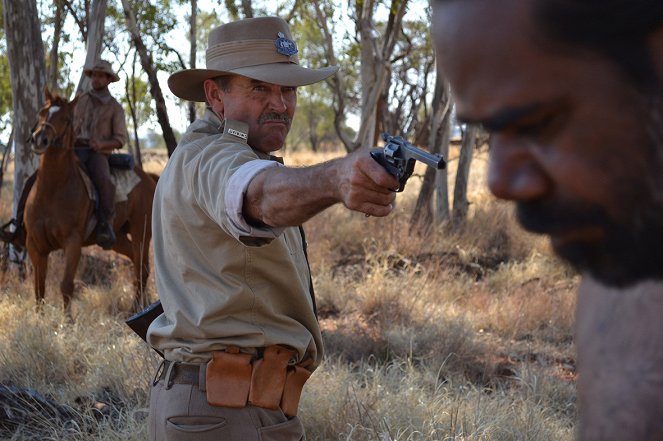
(619, 337)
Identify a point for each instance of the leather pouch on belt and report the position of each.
(268, 379)
(228, 378)
(292, 391)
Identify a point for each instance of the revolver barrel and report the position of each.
(398, 157)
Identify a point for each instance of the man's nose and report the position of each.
(514, 173)
(277, 102)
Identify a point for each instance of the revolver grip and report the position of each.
(378, 155)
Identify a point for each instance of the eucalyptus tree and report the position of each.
(314, 122)
(435, 183)
(25, 54)
(461, 203)
(375, 43)
(139, 103)
(5, 100)
(52, 77)
(148, 23)
(5, 84)
(94, 38)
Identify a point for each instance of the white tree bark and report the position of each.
(461, 204)
(376, 50)
(27, 73)
(95, 38)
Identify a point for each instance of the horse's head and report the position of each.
(54, 126)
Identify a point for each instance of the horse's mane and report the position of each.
(58, 100)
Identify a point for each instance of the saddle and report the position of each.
(122, 174)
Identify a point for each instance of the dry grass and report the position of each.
(464, 334)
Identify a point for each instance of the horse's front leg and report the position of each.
(138, 252)
(40, 267)
(141, 261)
(72, 255)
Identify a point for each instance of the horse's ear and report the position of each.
(47, 94)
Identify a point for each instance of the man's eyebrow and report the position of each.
(503, 118)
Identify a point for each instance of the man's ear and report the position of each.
(214, 96)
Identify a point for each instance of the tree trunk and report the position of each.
(193, 32)
(435, 179)
(25, 52)
(375, 62)
(130, 89)
(95, 38)
(461, 204)
(376, 51)
(60, 15)
(6, 149)
(151, 71)
(247, 7)
(336, 81)
(371, 72)
(442, 178)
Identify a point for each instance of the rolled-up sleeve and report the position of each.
(234, 203)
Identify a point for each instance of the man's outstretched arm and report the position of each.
(286, 196)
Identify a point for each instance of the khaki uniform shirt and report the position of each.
(100, 116)
(221, 281)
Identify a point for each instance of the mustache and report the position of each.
(549, 217)
(273, 116)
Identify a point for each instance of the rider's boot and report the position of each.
(105, 235)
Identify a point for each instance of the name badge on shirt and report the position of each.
(237, 133)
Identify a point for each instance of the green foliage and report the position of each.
(142, 106)
(233, 10)
(412, 72)
(207, 20)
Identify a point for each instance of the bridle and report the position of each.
(57, 141)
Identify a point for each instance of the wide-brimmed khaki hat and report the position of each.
(102, 66)
(259, 48)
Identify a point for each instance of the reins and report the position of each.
(57, 142)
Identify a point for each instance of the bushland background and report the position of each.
(444, 321)
(462, 333)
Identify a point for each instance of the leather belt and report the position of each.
(173, 372)
(234, 379)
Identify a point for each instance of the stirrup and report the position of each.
(105, 236)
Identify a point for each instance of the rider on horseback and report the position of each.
(100, 128)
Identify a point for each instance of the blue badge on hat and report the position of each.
(285, 46)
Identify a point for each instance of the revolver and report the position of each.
(399, 156)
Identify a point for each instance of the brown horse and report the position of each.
(59, 211)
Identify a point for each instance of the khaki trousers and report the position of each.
(180, 412)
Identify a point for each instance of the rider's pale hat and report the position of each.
(259, 48)
(102, 66)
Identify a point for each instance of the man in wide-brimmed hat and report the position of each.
(100, 128)
(239, 331)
